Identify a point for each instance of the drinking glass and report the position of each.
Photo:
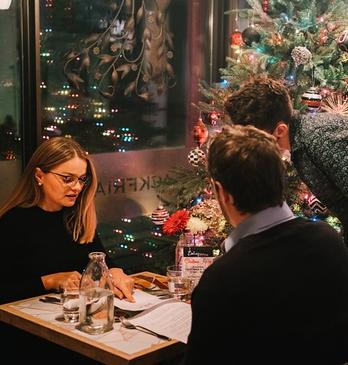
(70, 300)
(179, 285)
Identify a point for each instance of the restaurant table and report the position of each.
(117, 347)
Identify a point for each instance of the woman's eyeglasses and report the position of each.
(71, 180)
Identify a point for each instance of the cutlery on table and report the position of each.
(49, 299)
(129, 325)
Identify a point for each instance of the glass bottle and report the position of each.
(186, 239)
(96, 296)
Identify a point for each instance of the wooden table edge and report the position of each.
(83, 345)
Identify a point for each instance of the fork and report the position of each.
(49, 299)
(131, 326)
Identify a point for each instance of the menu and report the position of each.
(170, 317)
(196, 259)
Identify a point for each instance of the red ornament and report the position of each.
(159, 216)
(312, 99)
(214, 117)
(236, 38)
(200, 132)
(265, 5)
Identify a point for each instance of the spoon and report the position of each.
(129, 325)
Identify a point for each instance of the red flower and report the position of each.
(176, 222)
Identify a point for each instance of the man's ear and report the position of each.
(281, 130)
(222, 194)
(281, 133)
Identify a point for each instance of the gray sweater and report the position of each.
(319, 145)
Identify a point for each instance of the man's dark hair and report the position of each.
(248, 164)
(262, 102)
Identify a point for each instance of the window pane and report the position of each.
(10, 92)
(112, 74)
(119, 79)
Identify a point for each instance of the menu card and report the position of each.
(172, 318)
(196, 259)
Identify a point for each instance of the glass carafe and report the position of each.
(96, 296)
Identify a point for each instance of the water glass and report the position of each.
(179, 285)
(70, 300)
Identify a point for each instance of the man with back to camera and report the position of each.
(279, 295)
(317, 141)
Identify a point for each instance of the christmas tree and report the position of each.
(304, 43)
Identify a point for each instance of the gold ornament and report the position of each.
(335, 103)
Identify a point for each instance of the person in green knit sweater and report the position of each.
(317, 141)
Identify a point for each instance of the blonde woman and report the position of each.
(50, 222)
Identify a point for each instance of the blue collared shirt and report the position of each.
(259, 222)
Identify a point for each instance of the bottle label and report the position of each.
(196, 259)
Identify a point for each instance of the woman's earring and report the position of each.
(39, 183)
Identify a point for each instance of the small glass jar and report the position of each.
(96, 296)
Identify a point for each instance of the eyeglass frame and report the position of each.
(75, 178)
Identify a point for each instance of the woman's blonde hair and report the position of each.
(80, 219)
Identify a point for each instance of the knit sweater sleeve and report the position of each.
(326, 139)
(319, 147)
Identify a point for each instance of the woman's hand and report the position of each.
(123, 284)
(61, 280)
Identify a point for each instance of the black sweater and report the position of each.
(36, 243)
(277, 297)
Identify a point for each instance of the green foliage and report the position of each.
(182, 186)
(133, 246)
(314, 24)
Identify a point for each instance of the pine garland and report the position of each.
(182, 186)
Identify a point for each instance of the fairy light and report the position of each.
(251, 57)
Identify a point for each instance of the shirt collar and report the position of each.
(259, 222)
